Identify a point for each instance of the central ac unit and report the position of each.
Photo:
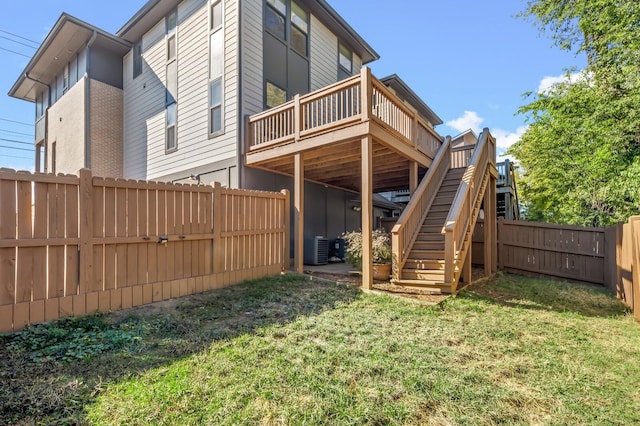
(316, 251)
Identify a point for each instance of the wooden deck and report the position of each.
(327, 127)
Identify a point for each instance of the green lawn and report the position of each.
(291, 351)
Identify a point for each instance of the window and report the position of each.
(285, 51)
(215, 107)
(275, 95)
(345, 62)
(171, 83)
(216, 15)
(171, 143)
(53, 157)
(275, 15)
(65, 79)
(216, 68)
(299, 28)
(137, 58)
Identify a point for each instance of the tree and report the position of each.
(581, 154)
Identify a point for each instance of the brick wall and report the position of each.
(106, 130)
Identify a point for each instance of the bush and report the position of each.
(380, 244)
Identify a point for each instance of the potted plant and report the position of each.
(381, 252)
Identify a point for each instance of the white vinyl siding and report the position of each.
(144, 132)
(324, 55)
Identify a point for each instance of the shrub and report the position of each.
(381, 247)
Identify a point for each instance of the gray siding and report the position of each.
(145, 156)
(251, 70)
(324, 55)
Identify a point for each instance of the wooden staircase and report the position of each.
(431, 242)
(425, 265)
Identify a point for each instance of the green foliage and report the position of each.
(381, 247)
(581, 154)
(289, 350)
(71, 339)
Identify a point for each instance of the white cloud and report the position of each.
(506, 138)
(469, 120)
(547, 83)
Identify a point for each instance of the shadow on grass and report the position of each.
(57, 392)
(547, 295)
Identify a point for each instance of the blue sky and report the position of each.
(470, 61)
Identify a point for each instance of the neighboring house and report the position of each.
(166, 97)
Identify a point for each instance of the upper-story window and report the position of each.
(65, 79)
(285, 51)
(345, 62)
(137, 58)
(299, 29)
(216, 67)
(171, 83)
(276, 17)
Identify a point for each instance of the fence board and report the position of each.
(566, 252)
(72, 245)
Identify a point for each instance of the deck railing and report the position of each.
(408, 225)
(357, 99)
(461, 156)
(466, 206)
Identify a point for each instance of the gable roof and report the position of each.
(65, 39)
(154, 10)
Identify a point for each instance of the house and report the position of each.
(259, 94)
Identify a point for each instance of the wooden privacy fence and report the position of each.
(606, 256)
(71, 245)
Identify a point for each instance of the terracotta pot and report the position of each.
(381, 271)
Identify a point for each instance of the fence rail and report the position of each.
(71, 245)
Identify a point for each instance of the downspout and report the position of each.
(87, 106)
(241, 119)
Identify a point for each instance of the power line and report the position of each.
(16, 133)
(16, 148)
(15, 141)
(16, 35)
(13, 51)
(16, 122)
(18, 42)
(15, 156)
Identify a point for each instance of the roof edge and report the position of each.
(394, 78)
(63, 19)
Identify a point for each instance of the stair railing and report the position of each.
(465, 207)
(406, 229)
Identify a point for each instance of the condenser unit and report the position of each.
(316, 251)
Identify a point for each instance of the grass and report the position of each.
(289, 351)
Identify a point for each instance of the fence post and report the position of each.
(501, 244)
(366, 93)
(85, 231)
(297, 117)
(218, 258)
(635, 264)
(286, 258)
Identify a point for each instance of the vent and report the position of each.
(316, 251)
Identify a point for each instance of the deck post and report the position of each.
(366, 190)
(467, 270)
(298, 218)
(413, 177)
(489, 233)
